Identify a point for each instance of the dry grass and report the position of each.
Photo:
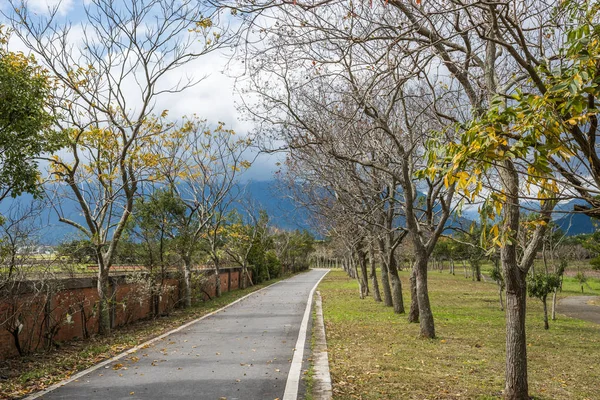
(375, 354)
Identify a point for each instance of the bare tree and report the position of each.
(109, 84)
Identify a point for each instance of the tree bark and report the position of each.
(554, 304)
(103, 300)
(361, 292)
(396, 285)
(362, 261)
(413, 315)
(218, 289)
(385, 283)
(516, 385)
(546, 326)
(425, 315)
(376, 292)
(187, 283)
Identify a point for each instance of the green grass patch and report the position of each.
(376, 354)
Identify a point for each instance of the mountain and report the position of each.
(282, 210)
(270, 196)
(574, 223)
(266, 195)
(577, 224)
(570, 223)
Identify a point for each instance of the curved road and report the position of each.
(243, 352)
(578, 307)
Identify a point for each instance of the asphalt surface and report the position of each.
(578, 307)
(243, 352)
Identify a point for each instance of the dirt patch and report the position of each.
(588, 273)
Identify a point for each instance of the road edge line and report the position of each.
(139, 346)
(293, 380)
(322, 388)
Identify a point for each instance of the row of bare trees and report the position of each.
(419, 107)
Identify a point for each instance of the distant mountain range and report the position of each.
(564, 217)
(574, 223)
(265, 195)
(284, 213)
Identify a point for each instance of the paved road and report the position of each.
(243, 352)
(578, 307)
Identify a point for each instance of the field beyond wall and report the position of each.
(376, 354)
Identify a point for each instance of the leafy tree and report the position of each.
(245, 242)
(272, 264)
(79, 250)
(293, 249)
(540, 286)
(581, 279)
(592, 243)
(201, 167)
(110, 82)
(25, 122)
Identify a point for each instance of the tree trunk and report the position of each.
(425, 314)
(187, 283)
(413, 315)
(397, 299)
(15, 334)
(103, 300)
(218, 289)
(361, 292)
(248, 276)
(516, 347)
(376, 292)
(362, 260)
(554, 304)
(385, 283)
(544, 300)
(516, 386)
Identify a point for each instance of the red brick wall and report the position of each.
(63, 312)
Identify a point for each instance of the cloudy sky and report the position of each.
(215, 98)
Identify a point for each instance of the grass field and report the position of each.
(375, 354)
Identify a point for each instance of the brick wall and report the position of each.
(70, 312)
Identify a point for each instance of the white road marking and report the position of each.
(293, 380)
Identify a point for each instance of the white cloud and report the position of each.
(213, 99)
(44, 6)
